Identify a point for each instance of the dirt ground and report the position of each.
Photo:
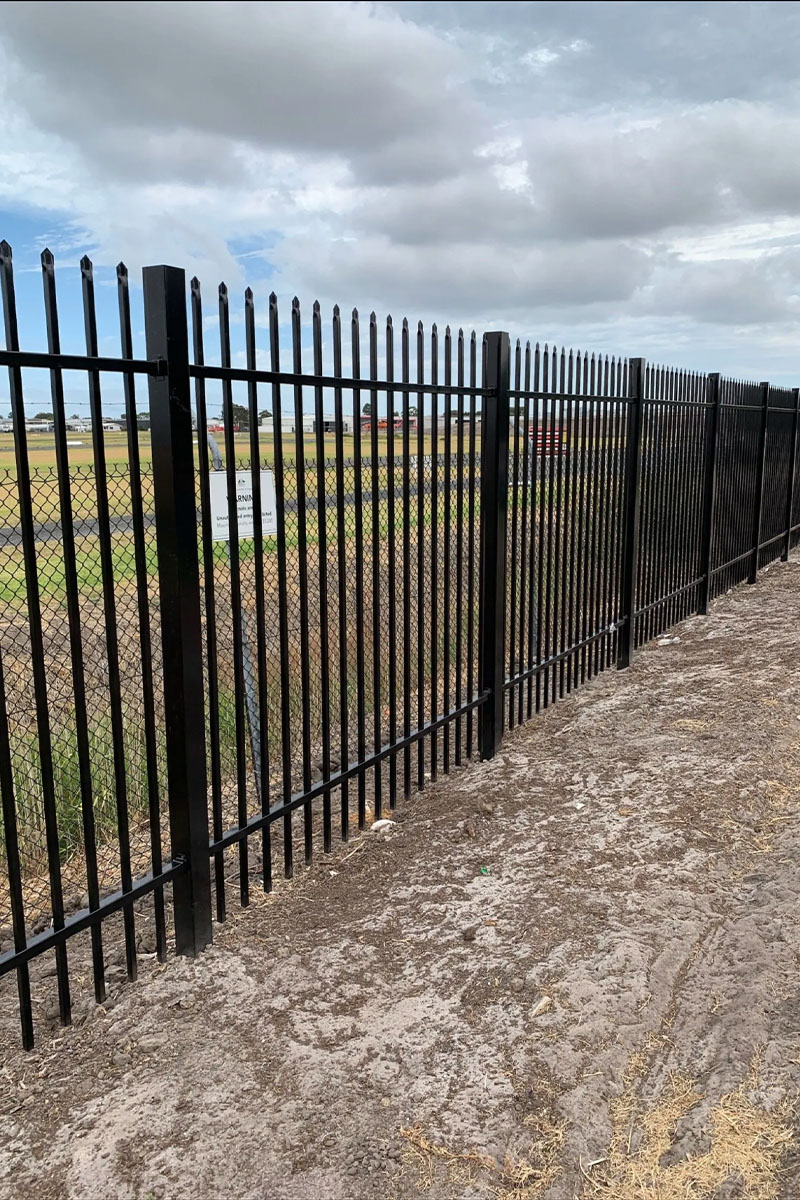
(570, 972)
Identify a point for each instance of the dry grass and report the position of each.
(748, 1143)
(514, 1179)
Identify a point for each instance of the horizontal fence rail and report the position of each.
(230, 640)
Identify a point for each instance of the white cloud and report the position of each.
(538, 164)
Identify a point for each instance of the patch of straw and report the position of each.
(748, 1144)
(515, 1179)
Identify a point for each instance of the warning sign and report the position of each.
(218, 484)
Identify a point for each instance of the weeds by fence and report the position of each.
(173, 705)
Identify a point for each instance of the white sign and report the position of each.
(218, 481)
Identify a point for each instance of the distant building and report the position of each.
(288, 424)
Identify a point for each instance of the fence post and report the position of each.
(494, 504)
(633, 496)
(792, 472)
(179, 589)
(709, 488)
(759, 501)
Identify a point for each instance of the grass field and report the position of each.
(41, 447)
(44, 481)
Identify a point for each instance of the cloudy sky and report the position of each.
(622, 176)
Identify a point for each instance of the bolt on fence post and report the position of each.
(759, 500)
(494, 505)
(792, 472)
(709, 489)
(179, 590)
(630, 521)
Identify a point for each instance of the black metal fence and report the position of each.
(190, 687)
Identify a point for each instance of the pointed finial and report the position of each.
(122, 271)
(195, 285)
(5, 249)
(86, 266)
(295, 304)
(388, 320)
(336, 311)
(248, 295)
(354, 314)
(223, 291)
(405, 324)
(273, 300)
(47, 258)
(315, 308)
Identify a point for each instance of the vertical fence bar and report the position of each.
(73, 620)
(512, 599)
(589, 372)
(548, 479)
(709, 488)
(616, 426)
(758, 507)
(559, 605)
(179, 588)
(434, 574)
(11, 846)
(471, 454)
(792, 472)
(341, 575)
(212, 672)
(533, 645)
(322, 542)
(572, 505)
(239, 683)
(391, 574)
(630, 528)
(448, 469)
(605, 616)
(585, 410)
(262, 757)
(109, 613)
(358, 489)
(420, 556)
(302, 576)
(283, 603)
(143, 606)
(28, 531)
(526, 578)
(494, 506)
(375, 572)
(459, 539)
(405, 377)
(540, 468)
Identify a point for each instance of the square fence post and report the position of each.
(761, 464)
(494, 506)
(792, 472)
(709, 489)
(179, 590)
(630, 522)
